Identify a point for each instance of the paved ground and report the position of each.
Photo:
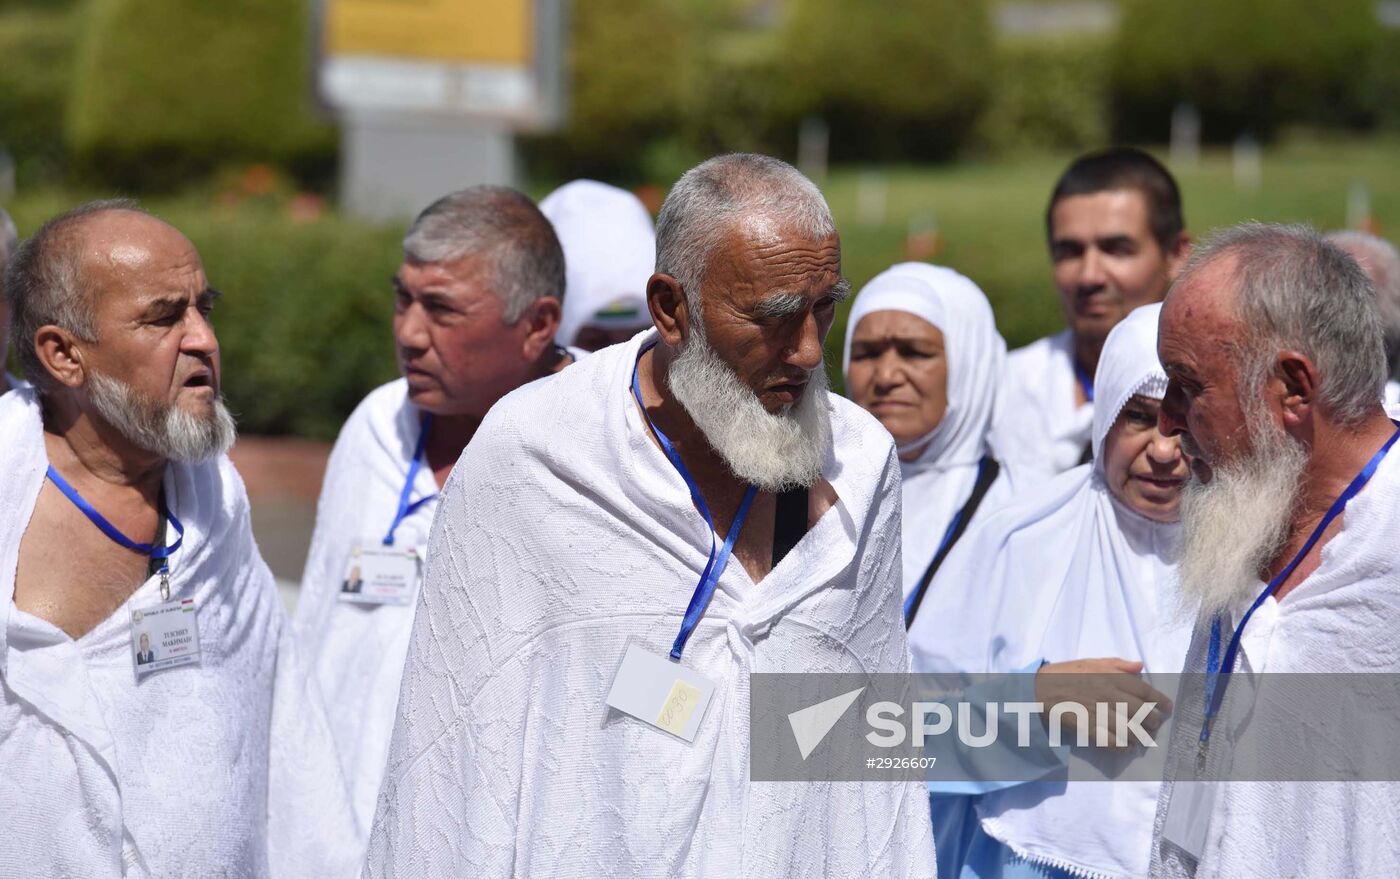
(283, 476)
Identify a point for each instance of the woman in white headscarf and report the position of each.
(923, 355)
(609, 253)
(1082, 567)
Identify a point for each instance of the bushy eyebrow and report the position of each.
(785, 305)
(781, 305)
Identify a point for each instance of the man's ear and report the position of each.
(670, 311)
(541, 323)
(1179, 253)
(1296, 379)
(61, 354)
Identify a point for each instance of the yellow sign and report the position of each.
(452, 31)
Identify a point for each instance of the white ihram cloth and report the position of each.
(563, 532)
(1342, 619)
(609, 253)
(937, 483)
(220, 768)
(1038, 405)
(14, 382)
(358, 650)
(1069, 573)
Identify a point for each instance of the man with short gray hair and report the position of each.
(622, 544)
(125, 531)
(1273, 351)
(477, 302)
(1380, 261)
(9, 242)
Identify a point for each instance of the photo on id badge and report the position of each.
(662, 693)
(380, 575)
(163, 637)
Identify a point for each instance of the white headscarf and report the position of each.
(609, 253)
(937, 483)
(1068, 573)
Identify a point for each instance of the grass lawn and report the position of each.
(305, 323)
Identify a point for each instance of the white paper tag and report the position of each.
(164, 636)
(1188, 816)
(660, 693)
(380, 575)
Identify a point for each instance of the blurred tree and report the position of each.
(1249, 66)
(630, 64)
(899, 79)
(1048, 94)
(165, 89)
(36, 43)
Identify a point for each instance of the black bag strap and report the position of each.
(987, 472)
(789, 522)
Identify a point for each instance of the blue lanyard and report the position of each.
(1218, 671)
(709, 578)
(407, 509)
(160, 553)
(1086, 382)
(947, 537)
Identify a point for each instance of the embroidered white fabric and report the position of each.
(562, 533)
(357, 651)
(221, 768)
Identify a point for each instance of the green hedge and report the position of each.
(1249, 66)
(36, 59)
(305, 323)
(894, 79)
(168, 89)
(1048, 94)
(629, 67)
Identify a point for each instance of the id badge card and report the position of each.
(1188, 815)
(164, 636)
(660, 692)
(381, 575)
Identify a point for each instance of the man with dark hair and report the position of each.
(9, 242)
(1116, 236)
(477, 304)
(126, 532)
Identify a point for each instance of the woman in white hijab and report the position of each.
(923, 355)
(609, 253)
(1083, 567)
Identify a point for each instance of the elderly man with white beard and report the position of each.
(1273, 349)
(153, 720)
(576, 701)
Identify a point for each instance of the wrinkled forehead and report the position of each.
(764, 253)
(1198, 311)
(132, 259)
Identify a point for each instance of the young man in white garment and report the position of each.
(1117, 238)
(1273, 348)
(124, 530)
(1380, 261)
(622, 544)
(9, 242)
(477, 303)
